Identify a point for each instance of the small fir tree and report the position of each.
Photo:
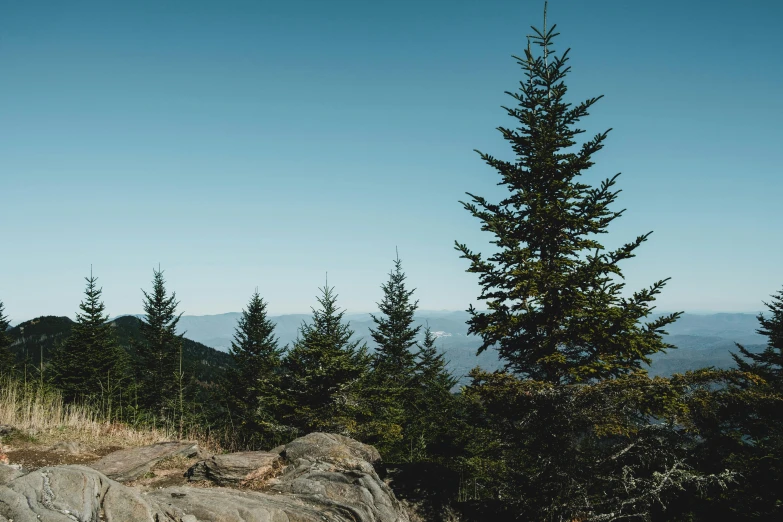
(253, 383)
(395, 334)
(431, 371)
(7, 358)
(159, 351)
(555, 313)
(89, 363)
(433, 401)
(323, 372)
(769, 363)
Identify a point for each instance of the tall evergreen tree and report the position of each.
(159, 352)
(90, 363)
(390, 383)
(323, 371)
(555, 312)
(769, 363)
(395, 334)
(253, 383)
(7, 358)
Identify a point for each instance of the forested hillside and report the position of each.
(35, 338)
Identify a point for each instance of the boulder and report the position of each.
(230, 505)
(9, 473)
(336, 472)
(330, 478)
(72, 493)
(233, 468)
(132, 463)
(331, 447)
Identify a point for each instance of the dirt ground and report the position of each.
(32, 457)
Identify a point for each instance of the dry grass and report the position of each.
(176, 462)
(41, 418)
(260, 479)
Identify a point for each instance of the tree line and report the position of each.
(572, 428)
(325, 381)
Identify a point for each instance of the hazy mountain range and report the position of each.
(702, 340)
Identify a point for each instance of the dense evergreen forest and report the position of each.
(572, 428)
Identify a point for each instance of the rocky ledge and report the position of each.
(318, 477)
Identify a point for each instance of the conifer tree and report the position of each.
(159, 351)
(554, 310)
(323, 371)
(7, 358)
(395, 334)
(253, 384)
(433, 399)
(431, 372)
(769, 363)
(390, 383)
(90, 363)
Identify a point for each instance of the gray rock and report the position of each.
(233, 468)
(72, 493)
(338, 473)
(330, 446)
(130, 464)
(330, 479)
(230, 505)
(9, 473)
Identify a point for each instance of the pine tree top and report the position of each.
(323, 359)
(552, 289)
(90, 358)
(4, 324)
(92, 308)
(395, 334)
(769, 363)
(327, 323)
(160, 308)
(6, 357)
(431, 363)
(254, 336)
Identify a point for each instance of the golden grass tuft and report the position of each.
(41, 417)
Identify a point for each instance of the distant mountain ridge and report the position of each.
(702, 339)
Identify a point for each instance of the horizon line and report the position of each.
(270, 314)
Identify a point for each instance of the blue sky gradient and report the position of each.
(244, 144)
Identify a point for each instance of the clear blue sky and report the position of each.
(244, 144)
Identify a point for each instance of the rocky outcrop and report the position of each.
(235, 468)
(330, 447)
(72, 493)
(319, 477)
(132, 463)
